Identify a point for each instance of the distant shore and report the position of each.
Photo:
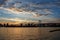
(32, 25)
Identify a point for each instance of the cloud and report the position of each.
(27, 9)
(25, 4)
(47, 11)
(18, 20)
(57, 4)
(45, 5)
(51, 20)
(2, 2)
(15, 20)
(13, 10)
(11, 20)
(34, 14)
(44, 12)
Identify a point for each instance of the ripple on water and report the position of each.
(27, 33)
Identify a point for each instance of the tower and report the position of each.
(39, 21)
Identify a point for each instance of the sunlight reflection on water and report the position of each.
(27, 33)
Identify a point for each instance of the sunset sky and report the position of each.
(48, 11)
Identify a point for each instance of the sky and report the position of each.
(48, 11)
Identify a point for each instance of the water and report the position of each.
(29, 33)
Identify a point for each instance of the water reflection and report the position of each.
(27, 33)
(19, 33)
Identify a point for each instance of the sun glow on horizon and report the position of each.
(16, 21)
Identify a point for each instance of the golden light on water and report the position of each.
(27, 33)
(19, 33)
